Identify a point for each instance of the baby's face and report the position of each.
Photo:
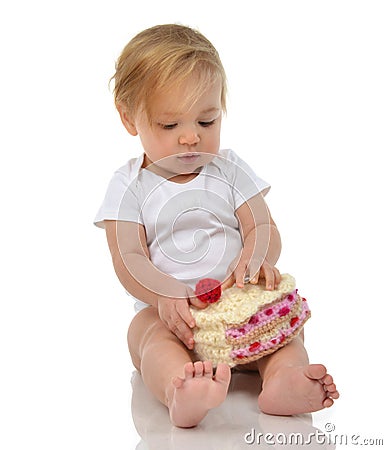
(179, 138)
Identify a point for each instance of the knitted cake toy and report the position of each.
(246, 323)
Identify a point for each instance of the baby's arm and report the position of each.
(261, 244)
(130, 255)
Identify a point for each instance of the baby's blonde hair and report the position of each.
(161, 58)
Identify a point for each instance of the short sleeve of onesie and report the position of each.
(243, 181)
(121, 202)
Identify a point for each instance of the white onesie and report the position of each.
(191, 228)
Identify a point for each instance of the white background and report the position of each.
(307, 109)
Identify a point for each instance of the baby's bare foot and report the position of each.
(190, 398)
(297, 390)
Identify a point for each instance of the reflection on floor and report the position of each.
(236, 424)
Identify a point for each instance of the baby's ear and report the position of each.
(127, 119)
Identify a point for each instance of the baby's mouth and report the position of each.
(188, 158)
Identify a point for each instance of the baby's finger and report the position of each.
(229, 282)
(194, 301)
(184, 312)
(269, 277)
(255, 278)
(240, 274)
(277, 276)
(183, 332)
(254, 268)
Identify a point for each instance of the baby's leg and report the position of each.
(188, 389)
(290, 385)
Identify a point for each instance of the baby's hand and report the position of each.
(270, 274)
(242, 272)
(176, 315)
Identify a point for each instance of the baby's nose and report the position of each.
(189, 137)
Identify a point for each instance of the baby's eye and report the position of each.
(168, 126)
(206, 124)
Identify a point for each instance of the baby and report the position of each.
(186, 210)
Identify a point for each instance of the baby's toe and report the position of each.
(327, 403)
(316, 372)
(199, 368)
(335, 395)
(189, 370)
(330, 388)
(177, 382)
(327, 379)
(207, 369)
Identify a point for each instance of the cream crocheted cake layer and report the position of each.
(237, 305)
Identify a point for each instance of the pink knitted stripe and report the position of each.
(264, 316)
(258, 347)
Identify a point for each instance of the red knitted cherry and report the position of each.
(208, 290)
(293, 321)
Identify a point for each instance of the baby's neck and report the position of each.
(184, 178)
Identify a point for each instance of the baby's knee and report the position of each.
(138, 328)
(147, 330)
